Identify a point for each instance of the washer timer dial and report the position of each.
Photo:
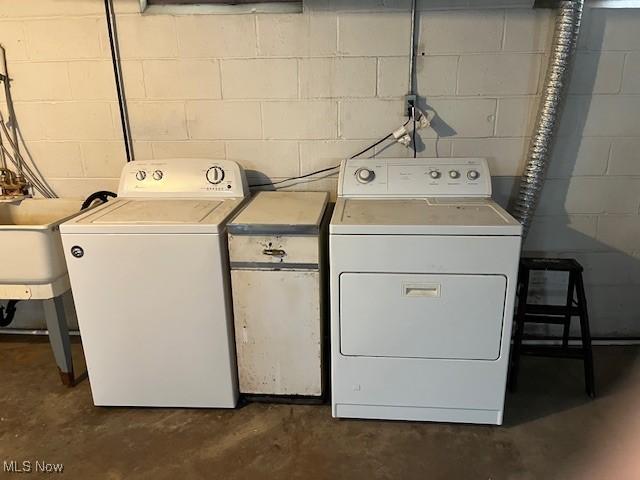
(215, 175)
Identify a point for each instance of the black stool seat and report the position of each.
(552, 264)
(575, 306)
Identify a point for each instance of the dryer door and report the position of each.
(421, 316)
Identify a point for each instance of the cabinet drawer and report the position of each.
(274, 249)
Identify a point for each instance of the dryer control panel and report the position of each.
(415, 177)
(183, 177)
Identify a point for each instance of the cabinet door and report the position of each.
(421, 316)
(278, 331)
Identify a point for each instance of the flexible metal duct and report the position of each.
(563, 50)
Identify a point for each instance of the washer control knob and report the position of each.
(435, 174)
(157, 175)
(473, 174)
(454, 174)
(141, 175)
(215, 175)
(364, 175)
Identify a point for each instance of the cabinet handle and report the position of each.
(274, 252)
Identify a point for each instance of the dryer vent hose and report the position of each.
(563, 49)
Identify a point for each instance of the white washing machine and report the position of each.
(150, 279)
(423, 275)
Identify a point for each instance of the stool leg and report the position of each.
(586, 338)
(567, 317)
(523, 289)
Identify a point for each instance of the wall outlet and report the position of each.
(409, 103)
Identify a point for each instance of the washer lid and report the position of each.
(429, 216)
(153, 212)
(155, 216)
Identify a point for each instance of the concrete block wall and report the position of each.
(284, 94)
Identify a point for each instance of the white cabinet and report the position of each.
(276, 248)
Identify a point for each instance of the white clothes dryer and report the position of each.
(423, 269)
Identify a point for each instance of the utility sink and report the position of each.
(32, 266)
(30, 245)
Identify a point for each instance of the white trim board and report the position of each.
(614, 4)
(209, 9)
(598, 342)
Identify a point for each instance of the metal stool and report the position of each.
(576, 306)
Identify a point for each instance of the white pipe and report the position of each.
(41, 332)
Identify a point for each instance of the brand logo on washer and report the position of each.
(77, 251)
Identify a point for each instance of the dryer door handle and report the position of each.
(421, 290)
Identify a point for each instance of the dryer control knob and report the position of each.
(364, 175)
(454, 174)
(141, 175)
(435, 174)
(157, 175)
(473, 174)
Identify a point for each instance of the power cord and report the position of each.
(413, 141)
(294, 178)
(323, 170)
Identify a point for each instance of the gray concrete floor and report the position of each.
(552, 430)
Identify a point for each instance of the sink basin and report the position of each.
(30, 245)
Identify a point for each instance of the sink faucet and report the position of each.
(12, 184)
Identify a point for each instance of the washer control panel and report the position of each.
(215, 175)
(183, 177)
(415, 177)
